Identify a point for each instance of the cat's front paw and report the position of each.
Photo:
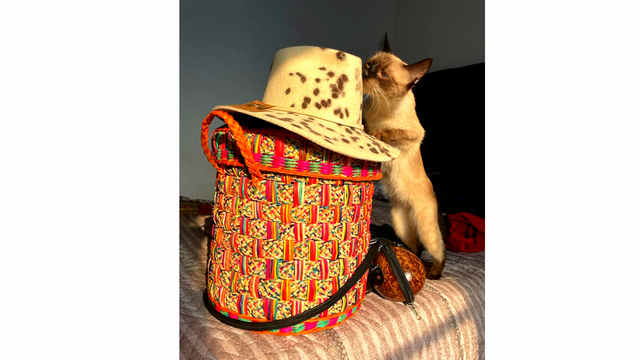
(380, 135)
(434, 275)
(436, 270)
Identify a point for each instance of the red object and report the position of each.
(466, 233)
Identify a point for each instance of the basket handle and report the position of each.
(241, 142)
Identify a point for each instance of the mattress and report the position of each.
(451, 309)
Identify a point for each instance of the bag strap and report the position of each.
(305, 315)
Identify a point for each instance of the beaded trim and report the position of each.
(307, 327)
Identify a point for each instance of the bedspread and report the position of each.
(452, 310)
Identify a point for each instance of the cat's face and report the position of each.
(384, 75)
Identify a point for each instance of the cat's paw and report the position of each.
(436, 271)
(380, 135)
(431, 275)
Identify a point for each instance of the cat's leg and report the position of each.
(404, 225)
(425, 215)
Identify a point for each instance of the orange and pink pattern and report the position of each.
(286, 237)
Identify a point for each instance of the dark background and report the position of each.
(226, 48)
(450, 106)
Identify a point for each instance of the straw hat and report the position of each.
(316, 93)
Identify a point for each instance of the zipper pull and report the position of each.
(415, 312)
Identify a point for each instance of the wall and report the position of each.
(226, 48)
(449, 31)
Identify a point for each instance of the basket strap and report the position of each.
(241, 142)
(303, 316)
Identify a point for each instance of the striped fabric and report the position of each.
(452, 310)
(280, 149)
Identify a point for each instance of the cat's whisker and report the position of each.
(370, 107)
(372, 103)
(384, 96)
(375, 90)
(386, 100)
(368, 111)
(378, 91)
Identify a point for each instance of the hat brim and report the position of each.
(343, 139)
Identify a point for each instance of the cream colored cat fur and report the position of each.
(390, 116)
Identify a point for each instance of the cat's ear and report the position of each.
(384, 45)
(418, 70)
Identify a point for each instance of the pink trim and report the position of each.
(303, 165)
(277, 161)
(326, 168)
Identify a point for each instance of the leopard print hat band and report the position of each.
(316, 93)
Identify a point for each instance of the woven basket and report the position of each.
(291, 224)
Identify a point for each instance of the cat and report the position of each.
(389, 115)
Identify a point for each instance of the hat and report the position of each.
(316, 92)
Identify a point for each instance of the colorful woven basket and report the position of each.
(291, 225)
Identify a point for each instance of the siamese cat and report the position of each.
(390, 116)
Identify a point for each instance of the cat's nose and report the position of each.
(365, 72)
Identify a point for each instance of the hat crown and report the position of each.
(319, 82)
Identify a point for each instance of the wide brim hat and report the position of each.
(316, 92)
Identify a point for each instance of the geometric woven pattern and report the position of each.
(280, 149)
(288, 242)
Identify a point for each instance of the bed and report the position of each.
(452, 311)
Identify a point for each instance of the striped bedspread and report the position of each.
(452, 310)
